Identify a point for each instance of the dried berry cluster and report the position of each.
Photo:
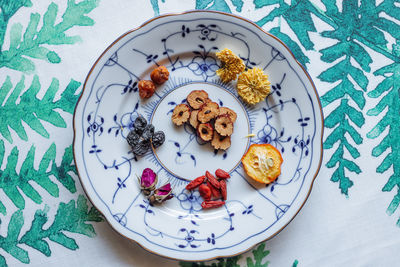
(212, 122)
(211, 189)
(158, 76)
(143, 136)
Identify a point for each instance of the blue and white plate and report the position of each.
(290, 119)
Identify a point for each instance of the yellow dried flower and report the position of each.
(253, 85)
(232, 65)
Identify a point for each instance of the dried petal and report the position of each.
(148, 181)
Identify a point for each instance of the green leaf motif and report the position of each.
(11, 181)
(10, 242)
(259, 255)
(31, 43)
(297, 15)
(32, 110)
(389, 91)
(70, 218)
(219, 5)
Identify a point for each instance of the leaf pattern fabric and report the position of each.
(352, 52)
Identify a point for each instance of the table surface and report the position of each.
(351, 50)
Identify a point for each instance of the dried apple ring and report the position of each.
(197, 98)
(208, 112)
(181, 114)
(224, 125)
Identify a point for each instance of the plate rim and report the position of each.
(172, 14)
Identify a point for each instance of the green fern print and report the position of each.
(33, 42)
(32, 110)
(21, 105)
(258, 259)
(11, 181)
(71, 217)
(389, 91)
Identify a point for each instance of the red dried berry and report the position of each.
(223, 189)
(214, 191)
(205, 192)
(222, 174)
(212, 180)
(195, 183)
(209, 204)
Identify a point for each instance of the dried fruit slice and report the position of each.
(232, 114)
(262, 162)
(221, 142)
(180, 114)
(208, 112)
(193, 119)
(197, 98)
(224, 125)
(205, 131)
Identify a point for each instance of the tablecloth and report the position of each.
(351, 50)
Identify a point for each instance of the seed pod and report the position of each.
(222, 174)
(223, 125)
(212, 180)
(209, 204)
(227, 111)
(195, 183)
(221, 142)
(205, 192)
(180, 114)
(208, 112)
(197, 98)
(222, 184)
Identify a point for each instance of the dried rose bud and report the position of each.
(148, 181)
(161, 194)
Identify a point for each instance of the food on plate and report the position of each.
(195, 183)
(142, 136)
(205, 131)
(148, 181)
(159, 75)
(224, 125)
(220, 142)
(181, 114)
(146, 88)
(210, 204)
(193, 119)
(212, 122)
(262, 162)
(221, 174)
(231, 65)
(208, 111)
(197, 98)
(158, 139)
(210, 188)
(253, 86)
(227, 111)
(161, 194)
(205, 191)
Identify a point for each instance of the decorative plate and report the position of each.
(290, 119)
